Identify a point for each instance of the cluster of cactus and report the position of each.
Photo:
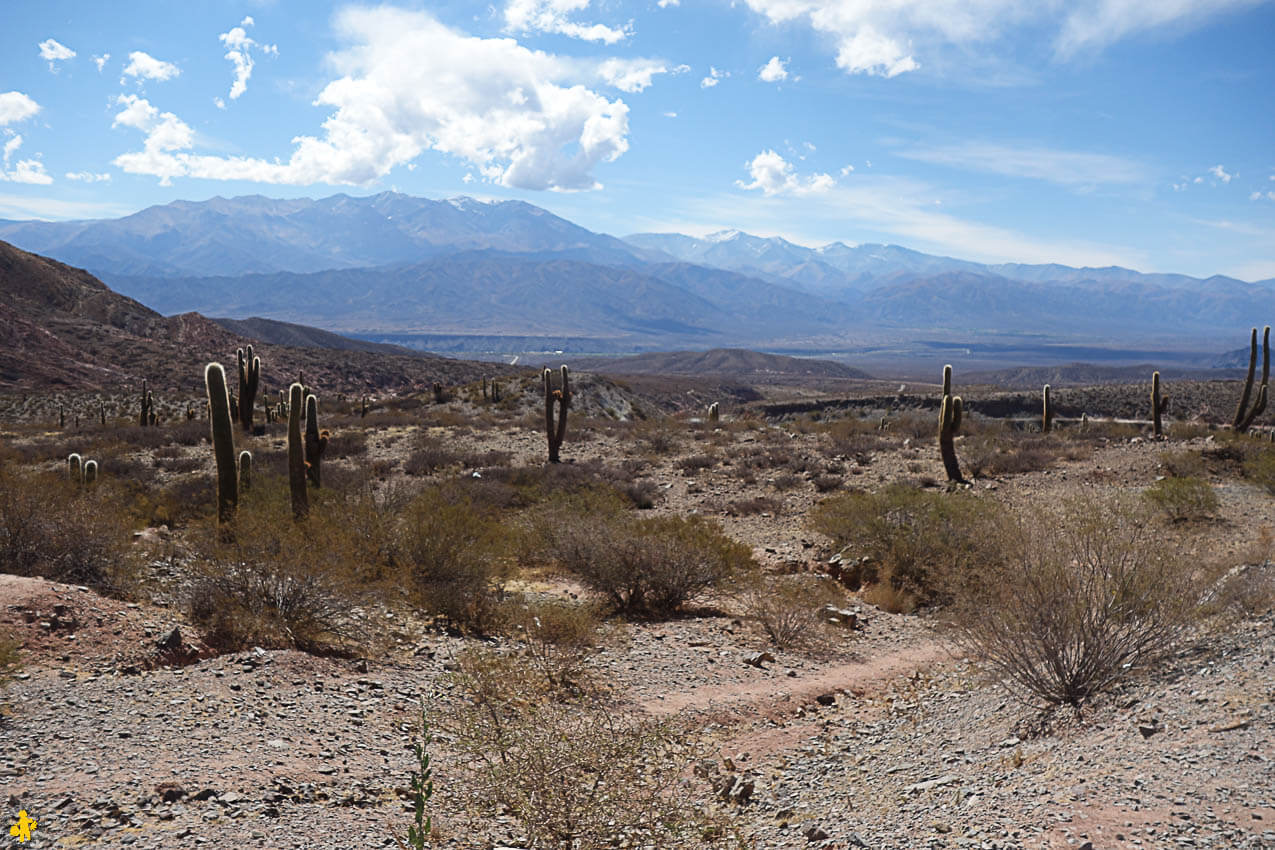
(147, 416)
(79, 471)
(491, 390)
(1047, 411)
(949, 426)
(1244, 415)
(1159, 404)
(713, 412)
(440, 394)
(249, 380)
(561, 397)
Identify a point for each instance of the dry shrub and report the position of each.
(826, 483)
(1085, 596)
(268, 580)
(918, 544)
(454, 556)
(557, 638)
(430, 455)
(644, 567)
(789, 609)
(1007, 452)
(583, 774)
(57, 530)
(1183, 464)
(1183, 499)
(694, 463)
(754, 505)
(1259, 467)
(856, 438)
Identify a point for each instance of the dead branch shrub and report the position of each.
(856, 438)
(267, 580)
(55, 529)
(789, 609)
(644, 566)
(557, 639)
(1183, 499)
(1086, 595)
(453, 554)
(918, 543)
(430, 455)
(582, 775)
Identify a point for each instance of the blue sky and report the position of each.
(1088, 132)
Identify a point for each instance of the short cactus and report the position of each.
(562, 398)
(1245, 417)
(296, 453)
(90, 472)
(949, 425)
(1159, 404)
(1047, 411)
(74, 467)
(223, 440)
(245, 471)
(713, 413)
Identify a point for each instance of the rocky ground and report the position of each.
(119, 731)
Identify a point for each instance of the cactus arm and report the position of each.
(223, 439)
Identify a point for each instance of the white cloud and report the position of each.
(239, 49)
(884, 37)
(409, 84)
(23, 171)
(775, 176)
(143, 66)
(846, 170)
(670, 114)
(664, 4)
(100, 61)
(88, 177)
(634, 75)
(16, 106)
(714, 77)
(1066, 168)
(528, 16)
(1257, 196)
(53, 53)
(1220, 173)
(773, 71)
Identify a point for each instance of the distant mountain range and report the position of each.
(398, 265)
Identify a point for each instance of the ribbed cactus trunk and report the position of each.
(90, 472)
(249, 381)
(1047, 411)
(148, 414)
(949, 426)
(1157, 406)
(1245, 418)
(315, 441)
(296, 454)
(223, 440)
(556, 431)
(713, 412)
(245, 471)
(74, 470)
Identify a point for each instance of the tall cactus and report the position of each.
(713, 412)
(1047, 411)
(949, 425)
(1244, 417)
(296, 453)
(249, 380)
(90, 472)
(245, 471)
(223, 439)
(1159, 404)
(562, 397)
(315, 440)
(147, 416)
(74, 470)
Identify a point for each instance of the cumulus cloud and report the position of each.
(16, 106)
(774, 175)
(664, 4)
(100, 61)
(634, 75)
(143, 66)
(88, 177)
(23, 171)
(714, 77)
(239, 49)
(773, 71)
(53, 53)
(551, 16)
(410, 84)
(1220, 173)
(884, 37)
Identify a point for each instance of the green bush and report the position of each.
(1183, 499)
(917, 543)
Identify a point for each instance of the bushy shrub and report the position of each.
(1259, 467)
(918, 542)
(1183, 499)
(557, 638)
(581, 774)
(52, 528)
(789, 609)
(644, 567)
(454, 556)
(1085, 596)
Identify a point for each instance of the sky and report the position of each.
(1138, 133)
